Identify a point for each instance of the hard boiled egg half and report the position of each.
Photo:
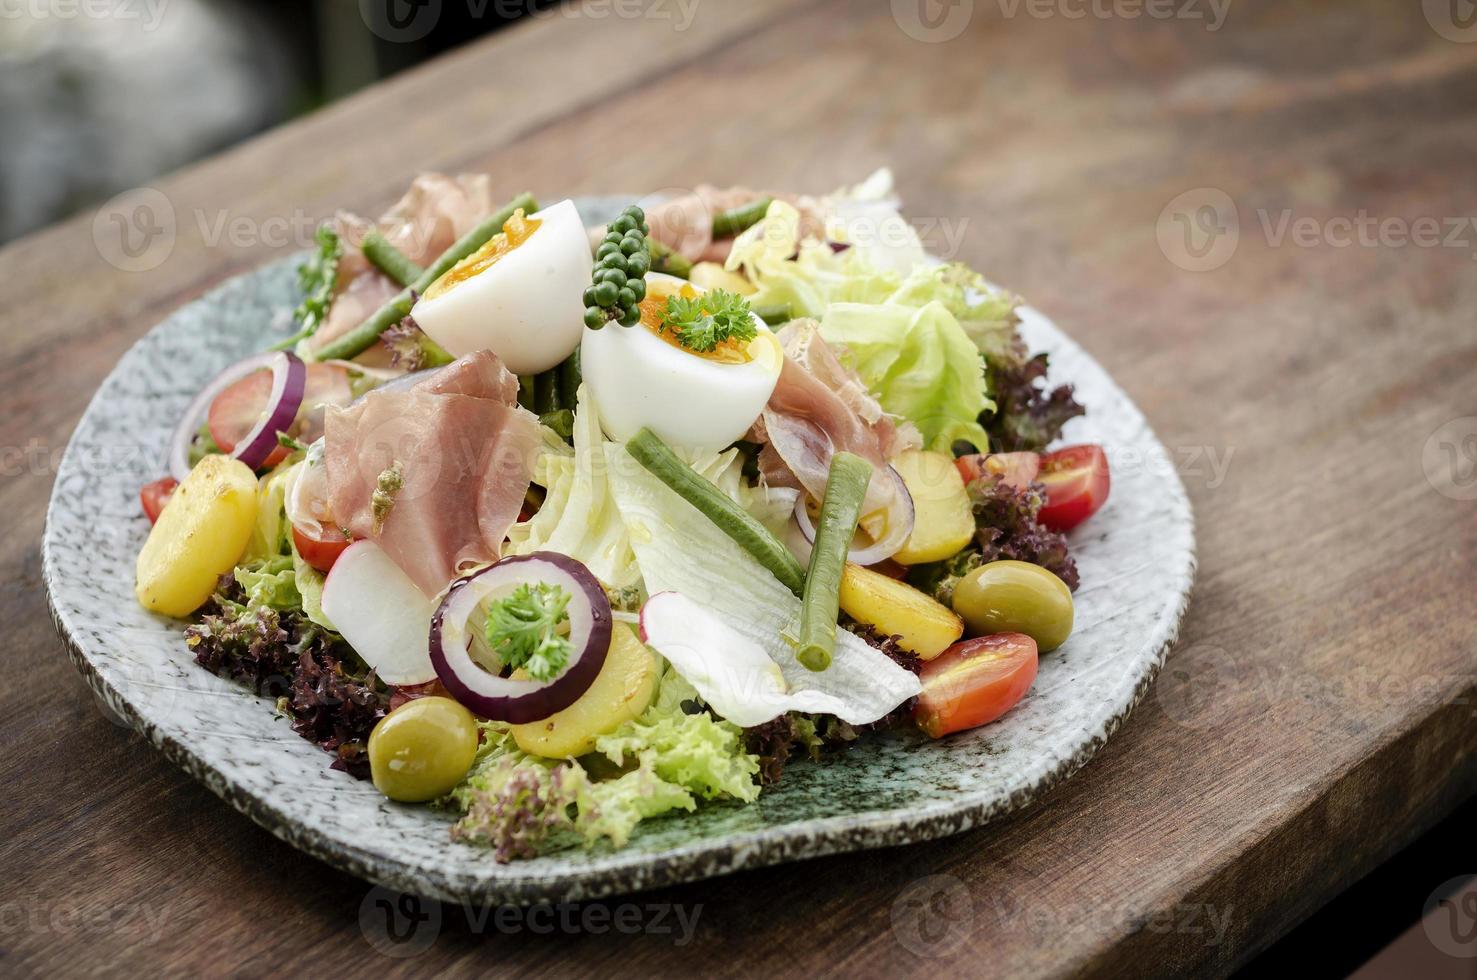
(642, 377)
(518, 296)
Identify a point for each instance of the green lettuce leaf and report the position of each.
(611, 809)
(521, 805)
(272, 583)
(696, 751)
(914, 329)
(919, 363)
(309, 583)
(272, 535)
(806, 276)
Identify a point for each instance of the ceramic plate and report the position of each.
(1136, 558)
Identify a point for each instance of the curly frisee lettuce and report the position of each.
(666, 760)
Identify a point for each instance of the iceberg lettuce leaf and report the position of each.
(680, 550)
(920, 364)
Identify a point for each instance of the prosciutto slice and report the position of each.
(435, 473)
(685, 223)
(820, 408)
(433, 214)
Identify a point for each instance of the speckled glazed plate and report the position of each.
(1136, 558)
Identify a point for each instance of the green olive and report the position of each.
(422, 749)
(1016, 597)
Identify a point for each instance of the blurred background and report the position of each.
(103, 95)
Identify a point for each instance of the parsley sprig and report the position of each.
(316, 278)
(701, 323)
(523, 630)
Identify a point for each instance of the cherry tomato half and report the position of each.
(235, 411)
(320, 546)
(1016, 469)
(155, 495)
(1076, 481)
(975, 682)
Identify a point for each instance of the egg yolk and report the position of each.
(731, 351)
(516, 230)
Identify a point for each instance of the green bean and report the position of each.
(570, 378)
(363, 337)
(774, 315)
(663, 259)
(525, 391)
(845, 487)
(561, 421)
(714, 504)
(546, 392)
(389, 259)
(728, 223)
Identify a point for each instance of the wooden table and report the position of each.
(1318, 711)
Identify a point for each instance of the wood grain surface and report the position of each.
(1315, 388)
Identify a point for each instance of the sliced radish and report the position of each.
(382, 614)
(503, 698)
(733, 674)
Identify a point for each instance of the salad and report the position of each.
(559, 529)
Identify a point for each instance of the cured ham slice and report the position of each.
(365, 294)
(820, 408)
(435, 473)
(433, 214)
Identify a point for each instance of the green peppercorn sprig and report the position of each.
(621, 264)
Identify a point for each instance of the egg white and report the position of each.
(693, 403)
(527, 307)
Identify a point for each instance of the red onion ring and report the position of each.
(897, 535)
(502, 698)
(289, 384)
(189, 423)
